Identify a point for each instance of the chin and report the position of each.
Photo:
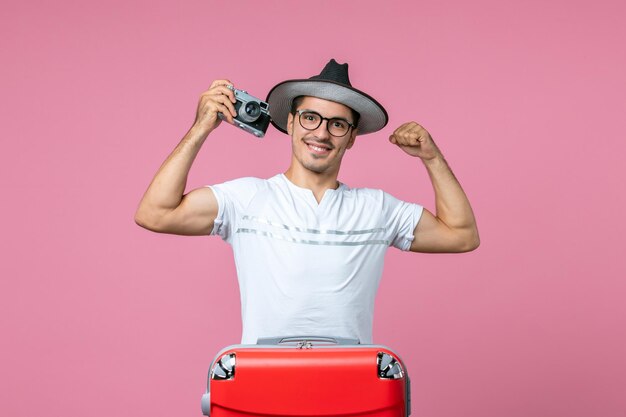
(315, 168)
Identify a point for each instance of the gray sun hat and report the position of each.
(331, 84)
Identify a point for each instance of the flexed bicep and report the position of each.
(431, 235)
(194, 216)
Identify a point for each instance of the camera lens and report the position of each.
(250, 111)
(253, 109)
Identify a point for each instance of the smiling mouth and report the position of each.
(318, 148)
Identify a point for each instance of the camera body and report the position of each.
(252, 114)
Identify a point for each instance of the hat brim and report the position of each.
(373, 116)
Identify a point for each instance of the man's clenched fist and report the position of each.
(415, 140)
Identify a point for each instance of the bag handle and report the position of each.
(306, 339)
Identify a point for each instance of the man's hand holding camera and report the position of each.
(222, 101)
(219, 98)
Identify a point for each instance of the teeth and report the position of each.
(318, 148)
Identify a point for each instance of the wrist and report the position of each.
(437, 160)
(198, 133)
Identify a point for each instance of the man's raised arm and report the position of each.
(453, 228)
(164, 207)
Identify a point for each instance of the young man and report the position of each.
(309, 250)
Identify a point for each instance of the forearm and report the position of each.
(452, 205)
(167, 188)
(452, 228)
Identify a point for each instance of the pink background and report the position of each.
(526, 99)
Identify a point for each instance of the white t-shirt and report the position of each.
(306, 268)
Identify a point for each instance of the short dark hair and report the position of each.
(295, 103)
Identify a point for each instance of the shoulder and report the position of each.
(374, 198)
(244, 181)
(241, 184)
(366, 194)
(240, 191)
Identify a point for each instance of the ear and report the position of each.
(352, 138)
(290, 124)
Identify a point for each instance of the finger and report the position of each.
(409, 128)
(224, 91)
(401, 132)
(405, 138)
(416, 135)
(225, 112)
(220, 82)
(224, 100)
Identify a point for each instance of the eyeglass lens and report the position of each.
(311, 120)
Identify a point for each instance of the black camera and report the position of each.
(252, 114)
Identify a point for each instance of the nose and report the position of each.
(322, 130)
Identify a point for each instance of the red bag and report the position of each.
(307, 376)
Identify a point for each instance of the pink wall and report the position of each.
(526, 99)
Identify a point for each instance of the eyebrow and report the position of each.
(339, 118)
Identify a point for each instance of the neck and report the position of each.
(318, 183)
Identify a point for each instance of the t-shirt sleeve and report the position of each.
(401, 219)
(232, 199)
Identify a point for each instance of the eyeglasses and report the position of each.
(311, 120)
